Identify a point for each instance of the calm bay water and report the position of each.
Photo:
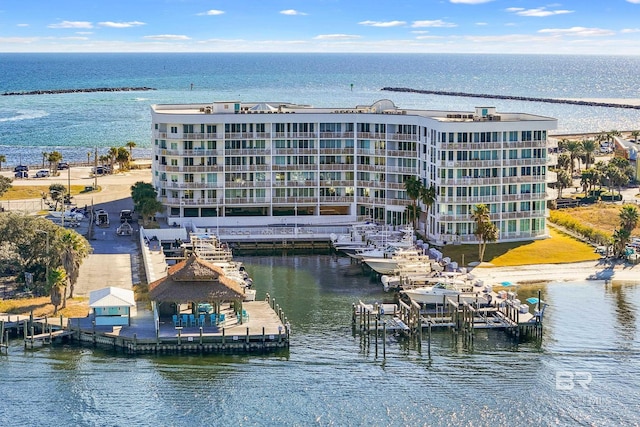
(77, 123)
(330, 377)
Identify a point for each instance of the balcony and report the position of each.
(333, 135)
(403, 137)
(247, 152)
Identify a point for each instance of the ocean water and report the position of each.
(77, 123)
(584, 372)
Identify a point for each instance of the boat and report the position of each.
(68, 214)
(125, 229)
(371, 236)
(411, 258)
(441, 291)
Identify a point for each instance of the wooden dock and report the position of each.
(262, 328)
(411, 319)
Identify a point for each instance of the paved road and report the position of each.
(115, 259)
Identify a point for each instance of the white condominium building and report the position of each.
(257, 164)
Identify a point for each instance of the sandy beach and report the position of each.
(604, 270)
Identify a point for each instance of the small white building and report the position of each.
(112, 306)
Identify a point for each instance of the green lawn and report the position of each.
(560, 248)
(21, 192)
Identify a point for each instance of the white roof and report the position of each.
(263, 106)
(111, 297)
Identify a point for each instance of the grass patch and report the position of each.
(41, 306)
(604, 217)
(21, 192)
(560, 248)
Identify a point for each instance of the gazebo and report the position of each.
(194, 281)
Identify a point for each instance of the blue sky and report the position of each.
(422, 26)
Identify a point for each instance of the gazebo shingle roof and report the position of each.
(195, 279)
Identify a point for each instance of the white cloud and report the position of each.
(538, 12)
(84, 32)
(435, 23)
(384, 24)
(18, 40)
(22, 25)
(130, 24)
(428, 37)
(75, 38)
(71, 24)
(578, 31)
(419, 32)
(634, 1)
(212, 12)
(336, 37)
(292, 12)
(481, 24)
(470, 1)
(630, 30)
(167, 37)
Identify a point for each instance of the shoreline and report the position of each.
(534, 274)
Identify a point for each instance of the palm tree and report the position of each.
(485, 231)
(629, 217)
(89, 154)
(564, 161)
(574, 148)
(428, 198)
(148, 208)
(73, 250)
(45, 155)
(564, 181)
(130, 145)
(589, 148)
(54, 158)
(601, 167)
(104, 159)
(122, 158)
(635, 134)
(3, 159)
(113, 154)
(58, 279)
(620, 239)
(412, 185)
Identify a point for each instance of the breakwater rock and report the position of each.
(515, 98)
(95, 89)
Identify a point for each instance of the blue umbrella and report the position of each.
(534, 300)
(505, 284)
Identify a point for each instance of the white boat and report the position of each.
(440, 292)
(409, 258)
(125, 229)
(68, 214)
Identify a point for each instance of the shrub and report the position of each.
(589, 233)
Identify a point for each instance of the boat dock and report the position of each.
(262, 327)
(461, 318)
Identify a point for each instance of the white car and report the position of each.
(43, 173)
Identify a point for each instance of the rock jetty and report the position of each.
(515, 98)
(95, 89)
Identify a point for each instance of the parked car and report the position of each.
(22, 174)
(101, 170)
(43, 173)
(21, 168)
(126, 215)
(63, 165)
